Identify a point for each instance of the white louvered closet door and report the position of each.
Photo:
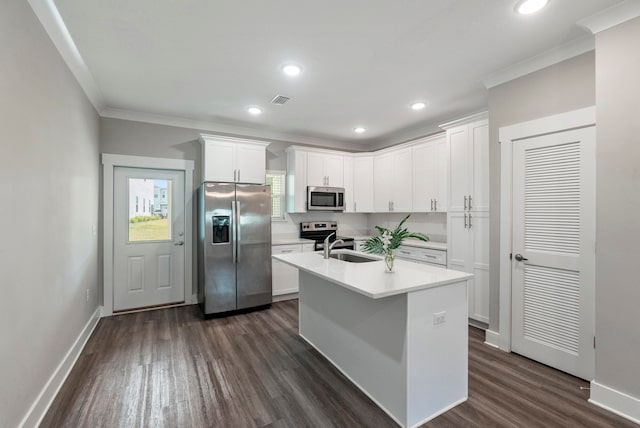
(553, 284)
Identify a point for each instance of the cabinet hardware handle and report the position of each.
(392, 206)
(469, 202)
(238, 175)
(235, 175)
(431, 204)
(286, 251)
(469, 221)
(355, 209)
(435, 205)
(465, 220)
(430, 256)
(465, 203)
(405, 252)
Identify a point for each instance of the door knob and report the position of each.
(179, 243)
(520, 258)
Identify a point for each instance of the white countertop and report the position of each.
(290, 240)
(412, 243)
(371, 279)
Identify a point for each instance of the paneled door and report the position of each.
(149, 227)
(553, 266)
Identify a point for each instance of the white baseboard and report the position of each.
(615, 401)
(494, 339)
(283, 297)
(41, 405)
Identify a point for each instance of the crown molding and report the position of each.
(464, 120)
(543, 60)
(221, 128)
(50, 18)
(610, 17)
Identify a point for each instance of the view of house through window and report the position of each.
(149, 210)
(276, 180)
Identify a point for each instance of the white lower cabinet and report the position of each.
(468, 251)
(284, 277)
(429, 256)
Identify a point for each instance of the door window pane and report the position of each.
(154, 223)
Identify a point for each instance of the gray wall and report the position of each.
(618, 201)
(49, 191)
(560, 88)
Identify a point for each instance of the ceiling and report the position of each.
(364, 62)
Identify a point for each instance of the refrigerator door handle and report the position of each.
(233, 232)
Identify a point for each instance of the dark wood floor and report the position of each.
(170, 368)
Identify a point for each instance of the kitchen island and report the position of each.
(400, 337)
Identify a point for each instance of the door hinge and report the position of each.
(510, 256)
(594, 342)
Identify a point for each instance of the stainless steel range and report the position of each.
(319, 230)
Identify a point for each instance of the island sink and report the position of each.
(352, 258)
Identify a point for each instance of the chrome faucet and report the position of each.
(328, 247)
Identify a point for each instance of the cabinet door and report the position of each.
(349, 205)
(479, 288)
(423, 177)
(382, 182)
(479, 134)
(284, 276)
(315, 170)
(458, 242)
(250, 163)
(459, 167)
(219, 160)
(401, 191)
(334, 170)
(296, 181)
(440, 177)
(363, 184)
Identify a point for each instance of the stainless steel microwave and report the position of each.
(325, 198)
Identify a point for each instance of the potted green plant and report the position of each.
(389, 240)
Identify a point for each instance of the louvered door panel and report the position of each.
(552, 199)
(551, 307)
(552, 284)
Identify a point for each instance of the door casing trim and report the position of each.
(109, 163)
(509, 135)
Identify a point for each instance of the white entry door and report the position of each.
(553, 266)
(148, 248)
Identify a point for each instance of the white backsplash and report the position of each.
(434, 225)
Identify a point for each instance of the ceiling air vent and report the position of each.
(280, 99)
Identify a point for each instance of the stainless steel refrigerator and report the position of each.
(234, 246)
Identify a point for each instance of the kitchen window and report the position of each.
(276, 179)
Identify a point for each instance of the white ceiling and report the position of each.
(364, 62)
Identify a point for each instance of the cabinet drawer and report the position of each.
(422, 255)
(286, 249)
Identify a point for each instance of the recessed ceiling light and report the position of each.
(254, 110)
(359, 130)
(527, 7)
(418, 106)
(291, 69)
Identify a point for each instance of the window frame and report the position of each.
(283, 195)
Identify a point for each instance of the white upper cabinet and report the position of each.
(296, 181)
(349, 204)
(363, 184)
(325, 170)
(393, 181)
(233, 160)
(469, 166)
(430, 160)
